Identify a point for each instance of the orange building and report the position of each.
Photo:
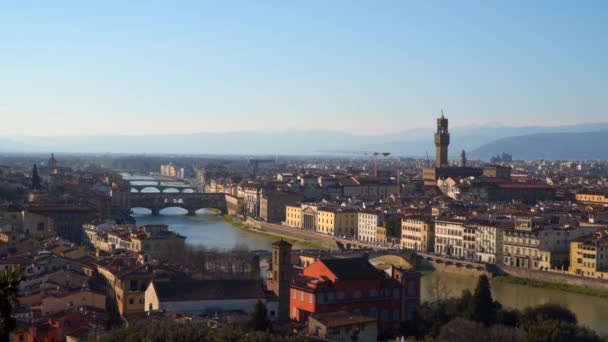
(355, 285)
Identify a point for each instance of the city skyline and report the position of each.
(74, 69)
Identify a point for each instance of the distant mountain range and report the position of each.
(551, 146)
(483, 141)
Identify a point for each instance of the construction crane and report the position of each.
(364, 153)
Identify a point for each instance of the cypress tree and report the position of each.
(259, 318)
(36, 182)
(481, 308)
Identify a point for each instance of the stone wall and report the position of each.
(553, 277)
(292, 233)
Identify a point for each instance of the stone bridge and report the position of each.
(451, 261)
(157, 201)
(161, 187)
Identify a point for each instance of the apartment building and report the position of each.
(488, 241)
(418, 233)
(449, 237)
(337, 221)
(589, 255)
(367, 225)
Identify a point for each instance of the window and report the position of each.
(310, 296)
(294, 313)
(341, 295)
(373, 312)
(320, 298)
(396, 293)
(130, 300)
(373, 293)
(295, 294)
(357, 294)
(301, 295)
(330, 297)
(396, 315)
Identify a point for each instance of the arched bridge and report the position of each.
(161, 187)
(157, 201)
(451, 261)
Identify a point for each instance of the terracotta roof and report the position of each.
(190, 290)
(523, 186)
(351, 268)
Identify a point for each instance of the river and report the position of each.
(210, 230)
(207, 229)
(589, 310)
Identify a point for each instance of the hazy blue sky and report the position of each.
(127, 67)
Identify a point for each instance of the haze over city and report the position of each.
(303, 171)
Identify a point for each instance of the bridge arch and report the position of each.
(393, 259)
(192, 202)
(147, 189)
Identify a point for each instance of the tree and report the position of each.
(196, 330)
(461, 330)
(481, 306)
(36, 182)
(259, 318)
(554, 323)
(508, 317)
(9, 284)
(555, 331)
(547, 312)
(465, 300)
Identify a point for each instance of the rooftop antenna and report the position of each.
(428, 161)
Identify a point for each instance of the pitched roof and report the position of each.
(190, 290)
(351, 268)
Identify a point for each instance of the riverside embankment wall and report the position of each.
(557, 277)
(292, 233)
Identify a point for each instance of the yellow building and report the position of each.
(56, 301)
(592, 197)
(589, 255)
(337, 221)
(129, 278)
(381, 234)
(293, 215)
(417, 233)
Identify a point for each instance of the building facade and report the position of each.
(418, 233)
(589, 255)
(367, 225)
(449, 238)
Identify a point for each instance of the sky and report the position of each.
(368, 67)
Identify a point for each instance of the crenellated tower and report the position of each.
(442, 140)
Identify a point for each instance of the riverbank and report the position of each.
(289, 238)
(552, 286)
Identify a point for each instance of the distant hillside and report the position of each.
(413, 142)
(552, 146)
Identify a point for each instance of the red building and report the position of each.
(355, 285)
(61, 325)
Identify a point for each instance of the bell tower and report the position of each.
(442, 140)
(281, 276)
